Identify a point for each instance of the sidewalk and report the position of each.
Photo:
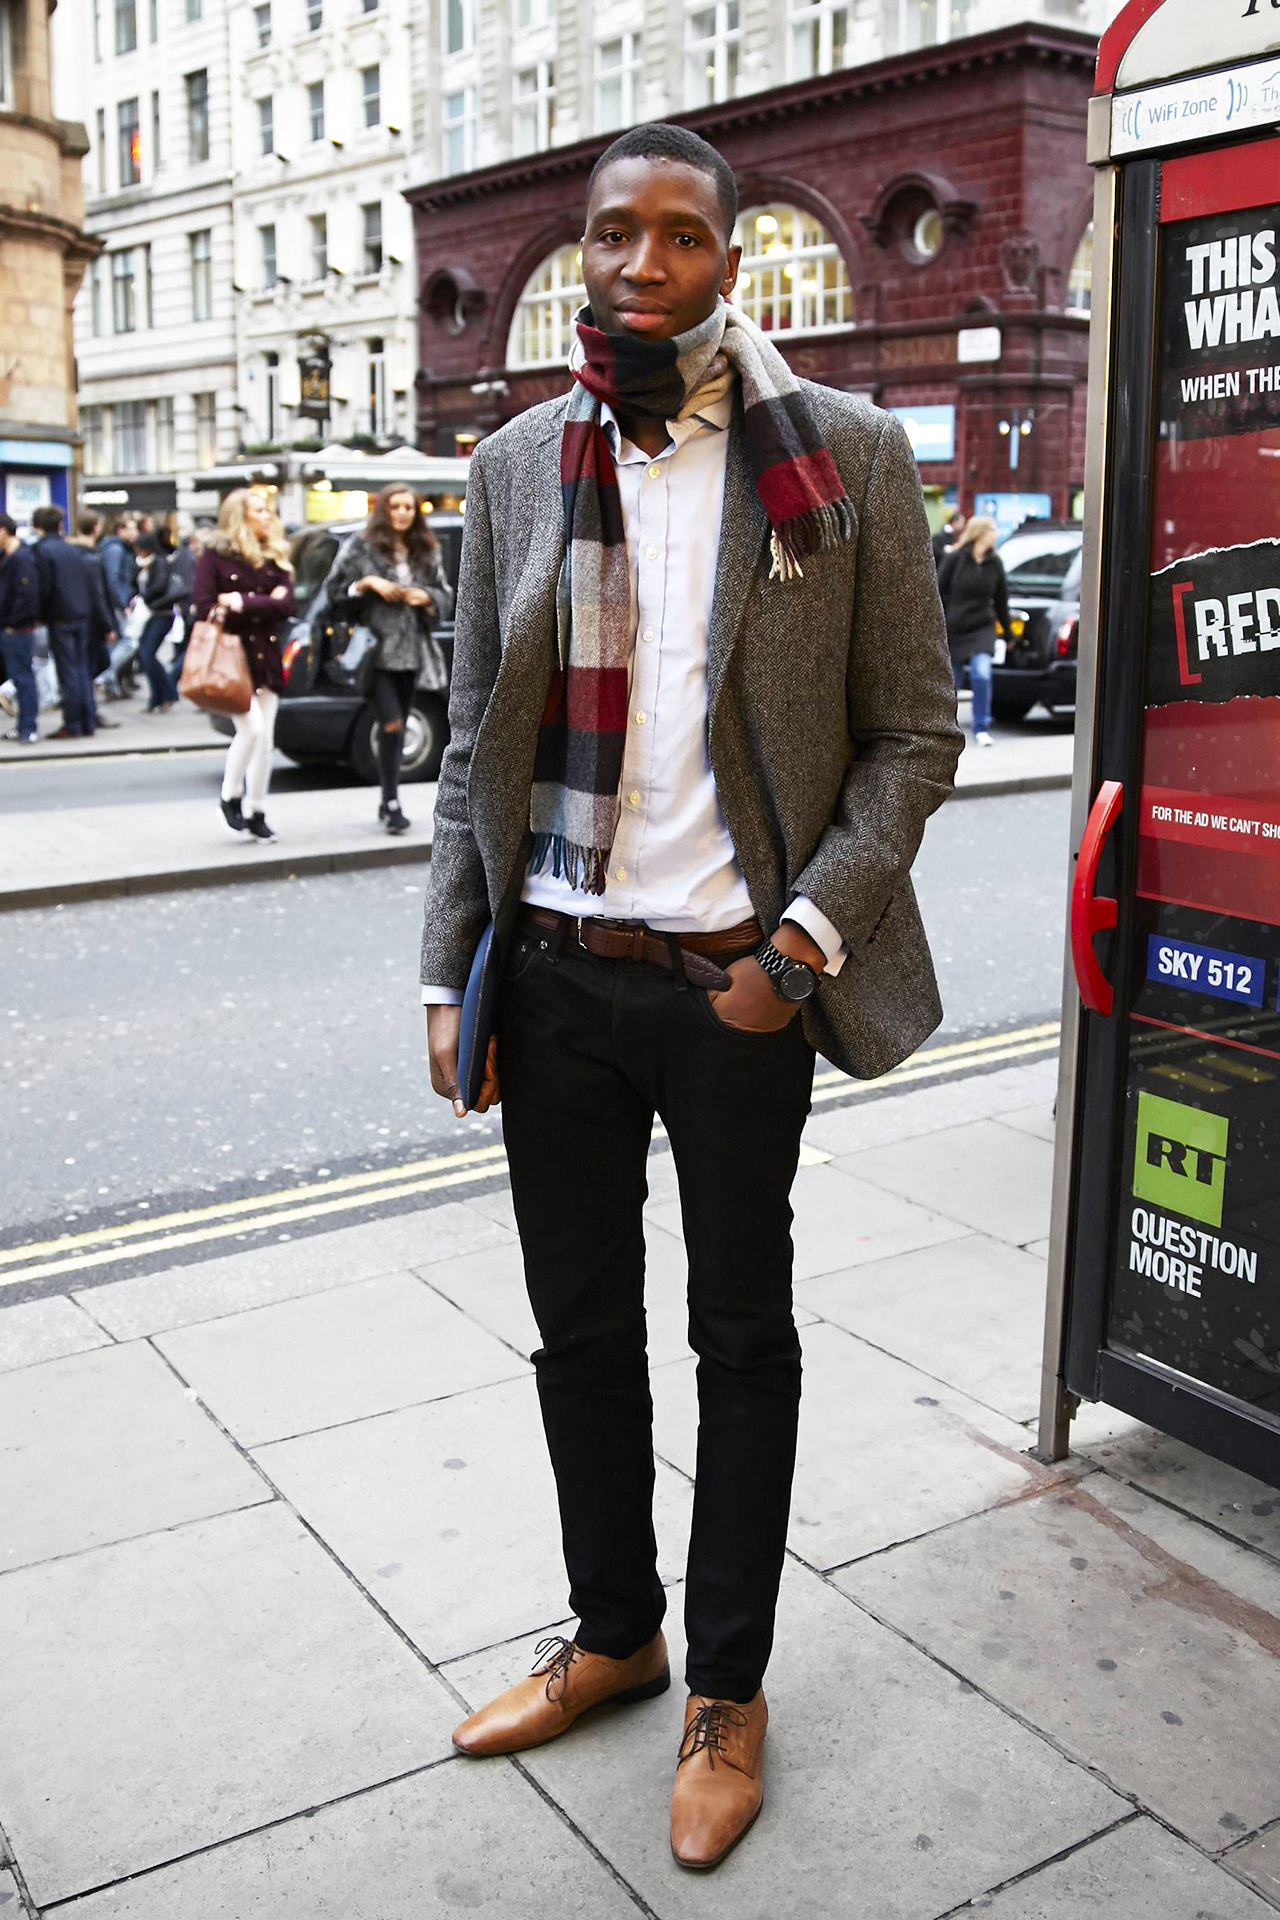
(272, 1523)
(185, 730)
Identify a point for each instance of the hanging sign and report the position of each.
(1239, 100)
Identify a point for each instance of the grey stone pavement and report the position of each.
(270, 1524)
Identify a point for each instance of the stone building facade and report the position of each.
(43, 255)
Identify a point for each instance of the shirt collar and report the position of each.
(714, 418)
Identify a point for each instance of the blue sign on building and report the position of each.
(1009, 510)
(931, 431)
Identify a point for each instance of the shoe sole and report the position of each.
(649, 1690)
(707, 1866)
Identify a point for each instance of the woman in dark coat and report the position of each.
(245, 572)
(389, 578)
(975, 595)
(162, 593)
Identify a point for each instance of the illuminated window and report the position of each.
(1080, 278)
(711, 37)
(793, 277)
(130, 142)
(542, 325)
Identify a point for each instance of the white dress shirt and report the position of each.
(672, 864)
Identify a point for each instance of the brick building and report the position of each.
(915, 228)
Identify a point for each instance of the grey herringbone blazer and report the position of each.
(831, 711)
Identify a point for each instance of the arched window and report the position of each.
(793, 277)
(541, 324)
(1080, 278)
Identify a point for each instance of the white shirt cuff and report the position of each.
(442, 996)
(820, 931)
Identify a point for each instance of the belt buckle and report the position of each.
(577, 933)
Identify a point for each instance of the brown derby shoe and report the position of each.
(566, 1681)
(719, 1783)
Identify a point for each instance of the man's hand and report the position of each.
(444, 1024)
(750, 1004)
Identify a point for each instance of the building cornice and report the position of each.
(1025, 45)
(73, 242)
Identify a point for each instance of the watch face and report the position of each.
(797, 982)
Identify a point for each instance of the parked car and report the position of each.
(1042, 562)
(321, 718)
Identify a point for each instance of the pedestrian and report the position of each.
(682, 739)
(946, 536)
(182, 570)
(162, 593)
(102, 627)
(66, 607)
(19, 617)
(391, 579)
(975, 594)
(246, 571)
(120, 571)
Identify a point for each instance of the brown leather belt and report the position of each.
(633, 940)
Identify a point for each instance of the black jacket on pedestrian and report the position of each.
(19, 589)
(66, 588)
(161, 585)
(975, 594)
(942, 542)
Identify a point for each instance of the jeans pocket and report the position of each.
(524, 950)
(703, 1000)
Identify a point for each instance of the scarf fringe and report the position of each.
(813, 532)
(586, 869)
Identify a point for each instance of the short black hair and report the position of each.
(662, 140)
(7, 525)
(47, 519)
(148, 544)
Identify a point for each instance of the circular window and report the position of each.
(927, 235)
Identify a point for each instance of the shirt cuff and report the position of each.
(442, 996)
(820, 930)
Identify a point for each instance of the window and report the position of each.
(371, 93)
(206, 429)
(543, 319)
(95, 297)
(618, 85)
(793, 274)
(266, 124)
(148, 305)
(93, 427)
(368, 6)
(315, 15)
(129, 436)
(377, 388)
(711, 39)
(155, 131)
(534, 108)
(153, 20)
(271, 396)
(459, 130)
(1080, 278)
(124, 314)
(6, 55)
(195, 9)
(459, 25)
(267, 249)
(530, 13)
(318, 226)
(819, 36)
(164, 438)
(315, 109)
(202, 275)
(130, 143)
(100, 124)
(97, 29)
(197, 116)
(126, 26)
(262, 24)
(372, 218)
(926, 23)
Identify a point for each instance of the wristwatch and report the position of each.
(792, 980)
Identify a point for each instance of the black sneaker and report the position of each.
(392, 818)
(231, 813)
(258, 827)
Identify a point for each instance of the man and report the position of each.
(19, 616)
(946, 536)
(701, 709)
(102, 626)
(66, 607)
(120, 571)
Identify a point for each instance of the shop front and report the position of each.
(34, 473)
(340, 483)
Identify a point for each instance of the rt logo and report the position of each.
(1180, 1161)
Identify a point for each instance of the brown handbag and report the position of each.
(215, 672)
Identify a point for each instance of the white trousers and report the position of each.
(248, 768)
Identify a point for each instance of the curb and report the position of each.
(268, 867)
(1017, 783)
(109, 753)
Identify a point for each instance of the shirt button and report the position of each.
(651, 553)
(654, 471)
(641, 718)
(633, 799)
(621, 873)
(647, 634)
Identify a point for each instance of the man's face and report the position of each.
(128, 531)
(654, 255)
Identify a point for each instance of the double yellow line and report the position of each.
(357, 1192)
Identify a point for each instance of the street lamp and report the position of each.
(1015, 431)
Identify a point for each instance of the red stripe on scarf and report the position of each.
(794, 487)
(597, 699)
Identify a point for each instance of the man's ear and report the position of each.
(729, 279)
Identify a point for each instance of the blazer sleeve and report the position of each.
(457, 901)
(901, 705)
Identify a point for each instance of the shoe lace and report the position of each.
(554, 1656)
(706, 1731)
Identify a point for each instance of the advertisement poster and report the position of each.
(1196, 1277)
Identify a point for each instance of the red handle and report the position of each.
(1089, 914)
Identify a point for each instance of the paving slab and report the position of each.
(890, 1789)
(459, 1838)
(1142, 1642)
(970, 1312)
(993, 1178)
(10, 1898)
(1095, 1423)
(1258, 1862)
(841, 1221)
(177, 1690)
(1038, 1119)
(878, 1122)
(45, 1330)
(884, 1452)
(104, 1445)
(447, 1514)
(1201, 1486)
(1137, 1872)
(283, 1270)
(334, 1357)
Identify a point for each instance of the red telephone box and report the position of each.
(1164, 1277)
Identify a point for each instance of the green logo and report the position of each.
(1180, 1161)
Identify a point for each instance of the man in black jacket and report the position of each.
(19, 616)
(66, 606)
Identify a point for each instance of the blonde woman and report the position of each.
(245, 571)
(975, 594)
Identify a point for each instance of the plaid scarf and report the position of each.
(575, 807)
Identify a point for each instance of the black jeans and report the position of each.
(588, 1051)
(69, 650)
(392, 696)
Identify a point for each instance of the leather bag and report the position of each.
(215, 672)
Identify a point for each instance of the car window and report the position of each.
(313, 555)
(1039, 562)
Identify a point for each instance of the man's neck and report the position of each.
(642, 430)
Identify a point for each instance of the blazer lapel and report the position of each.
(743, 530)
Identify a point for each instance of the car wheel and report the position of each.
(1007, 709)
(426, 734)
